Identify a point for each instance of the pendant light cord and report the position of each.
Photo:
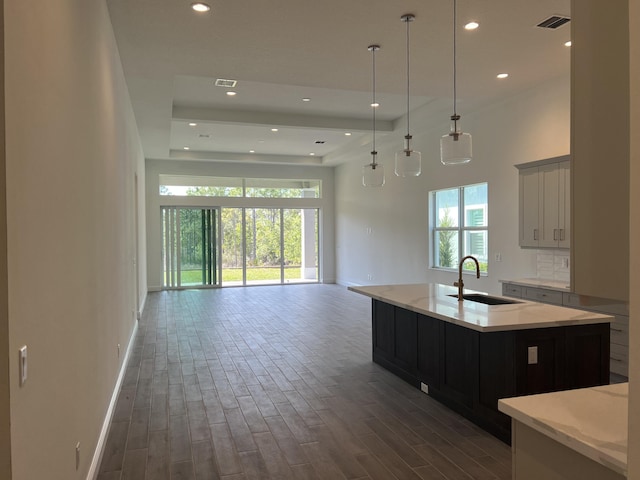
(408, 21)
(373, 104)
(455, 113)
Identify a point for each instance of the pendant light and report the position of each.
(373, 173)
(455, 147)
(408, 161)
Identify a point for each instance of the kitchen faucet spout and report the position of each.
(460, 283)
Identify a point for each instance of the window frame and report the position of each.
(460, 229)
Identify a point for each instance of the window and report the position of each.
(459, 226)
(205, 186)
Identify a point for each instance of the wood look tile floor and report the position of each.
(277, 382)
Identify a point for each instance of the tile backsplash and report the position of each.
(553, 265)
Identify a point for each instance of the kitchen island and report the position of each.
(468, 355)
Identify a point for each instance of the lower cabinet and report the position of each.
(469, 370)
(619, 348)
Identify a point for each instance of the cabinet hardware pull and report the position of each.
(616, 359)
(616, 330)
(535, 234)
(555, 234)
(562, 234)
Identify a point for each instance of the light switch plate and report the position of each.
(22, 364)
(532, 355)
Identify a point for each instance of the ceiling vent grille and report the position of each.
(554, 21)
(221, 82)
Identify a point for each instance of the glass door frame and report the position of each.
(171, 247)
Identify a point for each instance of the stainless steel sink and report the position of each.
(486, 299)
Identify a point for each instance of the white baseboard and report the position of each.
(142, 305)
(104, 432)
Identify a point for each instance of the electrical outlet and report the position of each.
(424, 387)
(498, 257)
(532, 355)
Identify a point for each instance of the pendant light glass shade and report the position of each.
(373, 173)
(455, 147)
(408, 161)
(454, 151)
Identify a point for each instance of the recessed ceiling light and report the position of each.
(375, 105)
(185, 148)
(200, 7)
(567, 44)
(312, 154)
(252, 151)
(471, 26)
(231, 93)
(274, 129)
(193, 124)
(306, 99)
(502, 75)
(348, 134)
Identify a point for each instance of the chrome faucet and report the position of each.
(460, 283)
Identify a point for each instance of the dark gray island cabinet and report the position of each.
(469, 356)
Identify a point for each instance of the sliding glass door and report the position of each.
(190, 247)
(239, 246)
(269, 246)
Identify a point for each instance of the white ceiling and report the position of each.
(281, 51)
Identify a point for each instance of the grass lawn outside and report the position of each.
(254, 274)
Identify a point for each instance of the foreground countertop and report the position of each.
(433, 300)
(591, 421)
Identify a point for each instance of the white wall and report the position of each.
(531, 126)
(5, 418)
(633, 453)
(72, 153)
(154, 168)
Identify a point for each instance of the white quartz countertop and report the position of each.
(540, 283)
(591, 421)
(433, 300)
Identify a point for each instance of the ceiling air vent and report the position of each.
(221, 82)
(554, 21)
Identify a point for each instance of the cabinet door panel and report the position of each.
(587, 356)
(546, 373)
(549, 201)
(384, 329)
(429, 350)
(529, 198)
(406, 339)
(459, 363)
(497, 377)
(564, 209)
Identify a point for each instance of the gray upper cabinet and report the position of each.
(544, 203)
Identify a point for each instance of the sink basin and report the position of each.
(486, 299)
